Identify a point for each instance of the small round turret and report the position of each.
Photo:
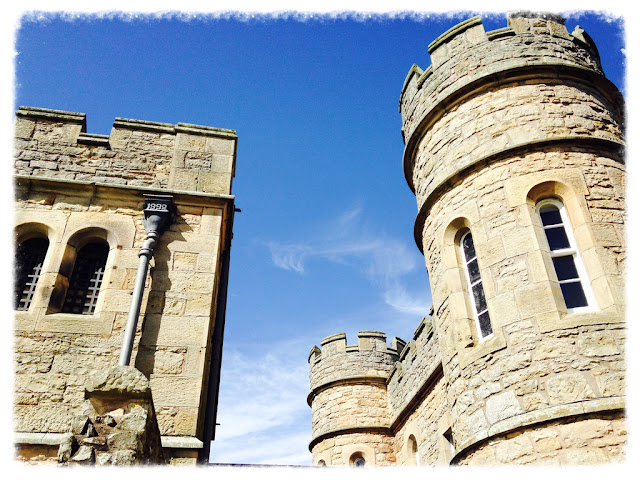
(348, 399)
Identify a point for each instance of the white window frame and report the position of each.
(476, 314)
(571, 250)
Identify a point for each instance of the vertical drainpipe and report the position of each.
(159, 211)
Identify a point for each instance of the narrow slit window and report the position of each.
(29, 259)
(413, 451)
(564, 254)
(474, 281)
(86, 279)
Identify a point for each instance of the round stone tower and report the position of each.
(514, 145)
(348, 400)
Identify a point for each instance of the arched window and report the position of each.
(357, 460)
(474, 282)
(566, 260)
(29, 259)
(322, 463)
(86, 279)
(413, 451)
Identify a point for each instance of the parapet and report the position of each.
(182, 157)
(466, 58)
(337, 361)
(419, 363)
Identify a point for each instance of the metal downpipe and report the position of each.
(158, 215)
(145, 254)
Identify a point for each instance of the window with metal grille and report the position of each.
(86, 279)
(474, 282)
(564, 254)
(29, 259)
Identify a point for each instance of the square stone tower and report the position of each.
(79, 229)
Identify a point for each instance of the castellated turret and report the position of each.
(350, 413)
(514, 149)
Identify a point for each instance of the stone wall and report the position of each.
(118, 425)
(589, 440)
(417, 400)
(72, 187)
(377, 448)
(427, 422)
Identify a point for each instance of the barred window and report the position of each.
(86, 279)
(474, 282)
(564, 254)
(29, 259)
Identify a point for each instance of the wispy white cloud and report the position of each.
(263, 415)
(399, 298)
(348, 239)
(290, 257)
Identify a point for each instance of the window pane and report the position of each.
(550, 215)
(557, 238)
(478, 297)
(485, 324)
(474, 271)
(573, 294)
(565, 267)
(467, 247)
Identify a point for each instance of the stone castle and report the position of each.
(514, 150)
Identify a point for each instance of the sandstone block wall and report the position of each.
(72, 186)
(418, 401)
(590, 440)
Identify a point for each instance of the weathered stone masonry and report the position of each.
(72, 187)
(499, 122)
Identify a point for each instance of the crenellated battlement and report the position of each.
(184, 157)
(370, 357)
(418, 363)
(467, 57)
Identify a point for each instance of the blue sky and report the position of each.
(324, 242)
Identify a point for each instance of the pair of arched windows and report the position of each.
(85, 279)
(568, 266)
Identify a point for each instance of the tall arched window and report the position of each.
(567, 263)
(86, 279)
(29, 259)
(474, 282)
